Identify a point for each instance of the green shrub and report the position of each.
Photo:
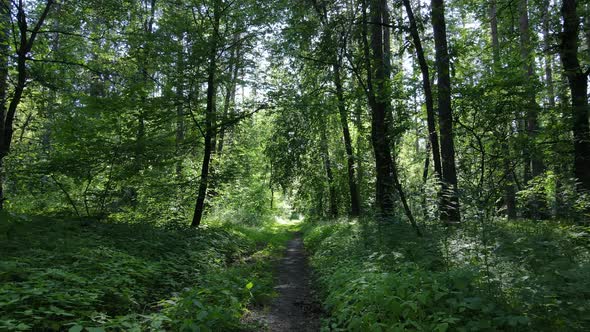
(76, 274)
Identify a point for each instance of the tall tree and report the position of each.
(336, 48)
(24, 38)
(578, 84)
(429, 100)
(325, 152)
(209, 114)
(450, 200)
(509, 191)
(378, 102)
(533, 161)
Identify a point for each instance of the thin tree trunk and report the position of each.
(25, 45)
(509, 192)
(230, 91)
(387, 68)
(148, 25)
(336, 67)
(333, 205)
(430, 117)
(179, 110)
(578, 83)
(548, 55)
(4, 54)
(450, 201)
(209, 118)
(424, 180)
(354, 193)
(359, 148)
(404, 201)
(532, 157)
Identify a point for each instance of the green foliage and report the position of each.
(381, 277)
(74, 274)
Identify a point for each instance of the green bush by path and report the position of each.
(79, 275)
(381, 277)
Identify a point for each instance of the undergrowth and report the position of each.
(529, 276)
(80, 275)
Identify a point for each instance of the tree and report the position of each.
(25, 39)
(429, 100)
(378, 100)
(450, 199)
(578, 84)
(336, 48)
(209, 114)
(509, 191)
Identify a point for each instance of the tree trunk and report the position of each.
(354, 193)
(148, 27)
(230, 91)
(532, 157)
(179, 110)
(430, 117)
(548, 56)
(509, 191)
(578, 84)
(209, 118)
(4, 54)
(336, 67)
(378, 99)
(359, 148)
(385, 20)
(450, 200)
(333, 205)
(25, 45)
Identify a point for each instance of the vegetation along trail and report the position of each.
(155, 157)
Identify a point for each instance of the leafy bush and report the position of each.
(76, 274)
(379, 277)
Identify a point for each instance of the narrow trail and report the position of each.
(294, 309)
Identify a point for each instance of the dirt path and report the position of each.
(294, 309)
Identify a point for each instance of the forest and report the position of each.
(294, 165)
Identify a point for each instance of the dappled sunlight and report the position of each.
(282, 220)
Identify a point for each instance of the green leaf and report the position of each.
(95, 329)
(76, 328)
(249, 285)
(442, 327)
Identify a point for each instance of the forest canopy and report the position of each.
(462, 123)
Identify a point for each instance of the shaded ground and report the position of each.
(294, 309)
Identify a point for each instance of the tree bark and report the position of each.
(430, 117)
(533, 161)
(333, 204)
(180, 108)
(450, 201)
(578, 83)
(4, 55)
(209, 118)
(230, 92)
(359, 148)
(378, 99)
(336, 68)
(509, 191)
(354, 193)
(548, 55)
(148, 27)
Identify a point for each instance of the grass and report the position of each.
(82, 275)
